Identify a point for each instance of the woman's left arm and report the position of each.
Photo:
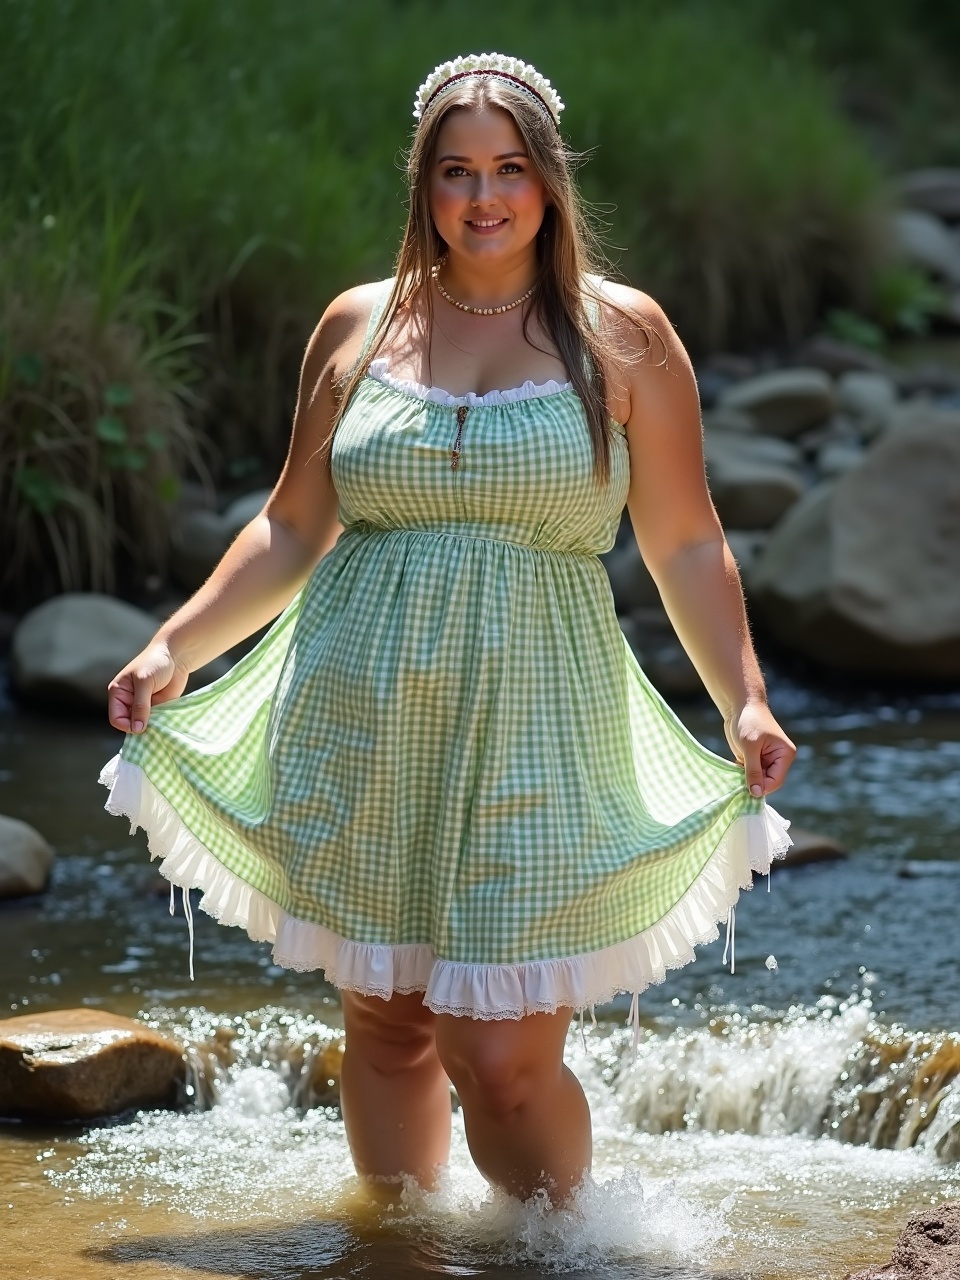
(682, 542)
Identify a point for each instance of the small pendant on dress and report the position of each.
(455, 451)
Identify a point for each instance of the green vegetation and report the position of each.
(178, 168)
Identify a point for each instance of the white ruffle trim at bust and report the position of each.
(380, 371)
(486, 991)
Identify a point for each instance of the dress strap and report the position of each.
(380, 302)
(592, 304)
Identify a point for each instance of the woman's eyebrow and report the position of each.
(509, 155)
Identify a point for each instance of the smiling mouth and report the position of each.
(485, 222)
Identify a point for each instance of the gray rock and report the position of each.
(67, 650)
(747, 546)
(924, 240)
(723, 418)
(928, 1248)
(836, 457)
(75, 1064)
(753, 479)
(922, 415)
(808, 847)
(935, 191)
(861, 575)
(834, 356)
(630, 580)
(243, 510)
(25, 859)
(871, 398)
(783, 402)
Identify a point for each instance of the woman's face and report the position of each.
(486, 197)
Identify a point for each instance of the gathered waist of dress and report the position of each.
(466, 533)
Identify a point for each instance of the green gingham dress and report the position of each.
(442, 769)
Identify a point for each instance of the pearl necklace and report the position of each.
(476, 311)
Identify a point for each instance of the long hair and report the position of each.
(567, 251)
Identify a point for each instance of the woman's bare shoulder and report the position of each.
(339, 333)
(634, 318)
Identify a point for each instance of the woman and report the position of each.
(441, 777)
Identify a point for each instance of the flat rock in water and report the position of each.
(928, 1248)
(935, 191)
(810, 846)
(74, 1064)
(25, 859)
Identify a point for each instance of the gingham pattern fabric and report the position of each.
(445, 739)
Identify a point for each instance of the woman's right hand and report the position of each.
(154, 676)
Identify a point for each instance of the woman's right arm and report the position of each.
(272, 556)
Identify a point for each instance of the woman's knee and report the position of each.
(392, 1036)
(500, 1066)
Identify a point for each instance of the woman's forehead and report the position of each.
(487, 131)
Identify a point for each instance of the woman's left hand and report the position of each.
(760, 746)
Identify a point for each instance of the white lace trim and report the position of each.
(487, 991)
(380, 371)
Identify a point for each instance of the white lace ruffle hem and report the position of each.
(487, 991)
(380, 371)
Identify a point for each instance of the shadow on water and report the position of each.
(324, 1250)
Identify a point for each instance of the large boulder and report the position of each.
(861, 574)
(75, 1064)
(68, 649)
(783, 402)
(753, 479)
(25, 859)
(928, 1248)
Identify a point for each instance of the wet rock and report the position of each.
(67, 650)
(810, 846)
(753, 479)
(834, 356)
(928, 1248)
(25, 859)
(630, 580)
(860, 575)
(78, 1063)
(870, 399)
(783, 402)
(665, 661)
(928, 379)
(928, 244)
(324, 1081)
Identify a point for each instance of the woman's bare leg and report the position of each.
(526, 1117)
(394, 1094)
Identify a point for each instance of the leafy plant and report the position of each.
(93, 433)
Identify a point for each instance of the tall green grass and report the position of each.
(258, 147)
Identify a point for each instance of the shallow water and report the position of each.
(733, 1146)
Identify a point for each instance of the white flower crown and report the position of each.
(519, 73)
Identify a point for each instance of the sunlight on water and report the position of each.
(706, 1159)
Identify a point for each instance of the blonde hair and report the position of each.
(567, 250)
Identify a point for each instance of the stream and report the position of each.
(775, 1122)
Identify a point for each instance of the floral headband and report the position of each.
(512, 70)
